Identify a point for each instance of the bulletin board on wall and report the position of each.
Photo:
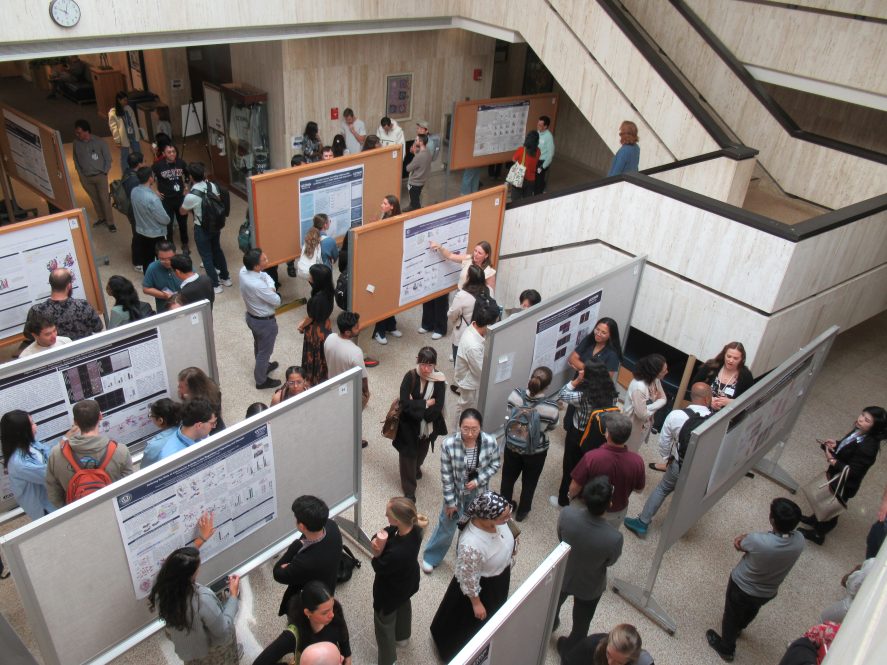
(488, 131)
(391, 268)
(32, 249)
(349, 189)
(33, 154)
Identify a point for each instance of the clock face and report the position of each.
(65, 12)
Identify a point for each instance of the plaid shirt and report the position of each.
(454, 476)
(584, 406)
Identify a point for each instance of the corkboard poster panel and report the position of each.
(77, 233)
(274, 197)
(377, 253)
(468, 116)
(34, 156)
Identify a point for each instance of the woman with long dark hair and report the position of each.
(313, 616)
(390, 207)
(528, 155)
(854, 456)
(25, 459)
(296, 382)
(395, 550)
(338, 146)
(593, 394)
(644, 397)
(727, 375)
(127, 306)
(199, 625)
(483, 571)
(311, 142)
(316, 325)
(601, 345)
(422, 396)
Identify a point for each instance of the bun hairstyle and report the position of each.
(540, 379)
(404, 510)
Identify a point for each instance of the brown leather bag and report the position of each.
(392, 418)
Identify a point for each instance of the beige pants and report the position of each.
(96, 187)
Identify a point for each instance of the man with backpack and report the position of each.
(470, 355)
(675, 434)
(210, 204)
(121, 191)
(84, 461)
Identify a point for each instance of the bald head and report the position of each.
(60, 279)
(321, 653)
(700, 393)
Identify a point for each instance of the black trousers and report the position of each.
(740, 609)
(410, 466)
(572, 455)
(875, 539)
(434, 314)
(531, 466)
(145, 250)
(415, 196)
(541, 175)
(172, 206)
(583, 613)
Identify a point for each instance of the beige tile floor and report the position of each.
(694, 573)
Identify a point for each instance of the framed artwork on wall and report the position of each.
(399, 96)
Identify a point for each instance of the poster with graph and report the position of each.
(235, 483)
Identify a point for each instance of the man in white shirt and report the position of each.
(342, 353)
(354, 131)
(261, 300)
(700, 403)
(208, 240)
(470, 357)
(390, 133)
(45, 336)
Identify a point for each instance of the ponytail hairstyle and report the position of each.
(312, 240)
(540, 379)
(404, 510)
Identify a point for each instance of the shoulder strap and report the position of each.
(109, 453)
(294, 629)
(68, 454)
(523, 395)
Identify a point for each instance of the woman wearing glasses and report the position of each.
(296, 382)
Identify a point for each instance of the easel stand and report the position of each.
(192, 108)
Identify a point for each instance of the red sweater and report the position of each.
(529, 163)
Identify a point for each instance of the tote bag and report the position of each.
(822, 494)
(517, 171)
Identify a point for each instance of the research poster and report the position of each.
(339, 194)
(234, 482)
(27, 256)
(756, 425)
(124, 378)
(7, 499)
(558, 334)
(27, 152)
(500, 127)
(423, 270)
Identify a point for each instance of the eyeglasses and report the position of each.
(470, 430)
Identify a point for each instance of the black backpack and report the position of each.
(694, 420)
(341, 293)
(485, 301)
(347, 563)
(214, 207)
(119, 197)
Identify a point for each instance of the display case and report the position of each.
(246, 136)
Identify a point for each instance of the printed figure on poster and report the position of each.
(558, 334)
(234, 482)
(27, 152)
(500, 127)
(339, 194)
(423, 270)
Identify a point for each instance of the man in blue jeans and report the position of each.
(208, 240)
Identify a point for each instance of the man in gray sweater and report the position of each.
(595, 546)
(92, 160)
(88, 447)
(419, 170)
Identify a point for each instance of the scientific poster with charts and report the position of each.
(500, 127)
(27, 152)
(558, 334)
(235, 482)
(124, 377)
(423, 270)
(339, 194)
(27, 256)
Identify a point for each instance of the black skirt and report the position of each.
(454, 623)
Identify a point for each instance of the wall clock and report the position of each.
(65, 13)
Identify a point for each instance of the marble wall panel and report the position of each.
(722, 178)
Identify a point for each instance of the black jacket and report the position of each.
(413, 412)
(318, 562)
(859, 456)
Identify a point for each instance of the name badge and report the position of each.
(95, 157)
(176, 187)
(729, 391)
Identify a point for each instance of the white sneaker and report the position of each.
(377, 337)
(137, 268)
(218, 289)
(227, 282)
(427, 568)
(553, 501)
(436, 336)
(395, 333)
(401, 643)
(421, 331)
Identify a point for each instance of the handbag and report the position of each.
(822, 498)
(392, 418)
(517, 171)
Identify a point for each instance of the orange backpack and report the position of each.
(87, 480)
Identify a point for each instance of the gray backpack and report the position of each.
(524, 431)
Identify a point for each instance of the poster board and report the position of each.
(30, 251)
(274, 198)
(550, 331)
(488, 131)
(378, 261)
(125, 369)
(323, 422)
(33, 154)
(519, 632)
